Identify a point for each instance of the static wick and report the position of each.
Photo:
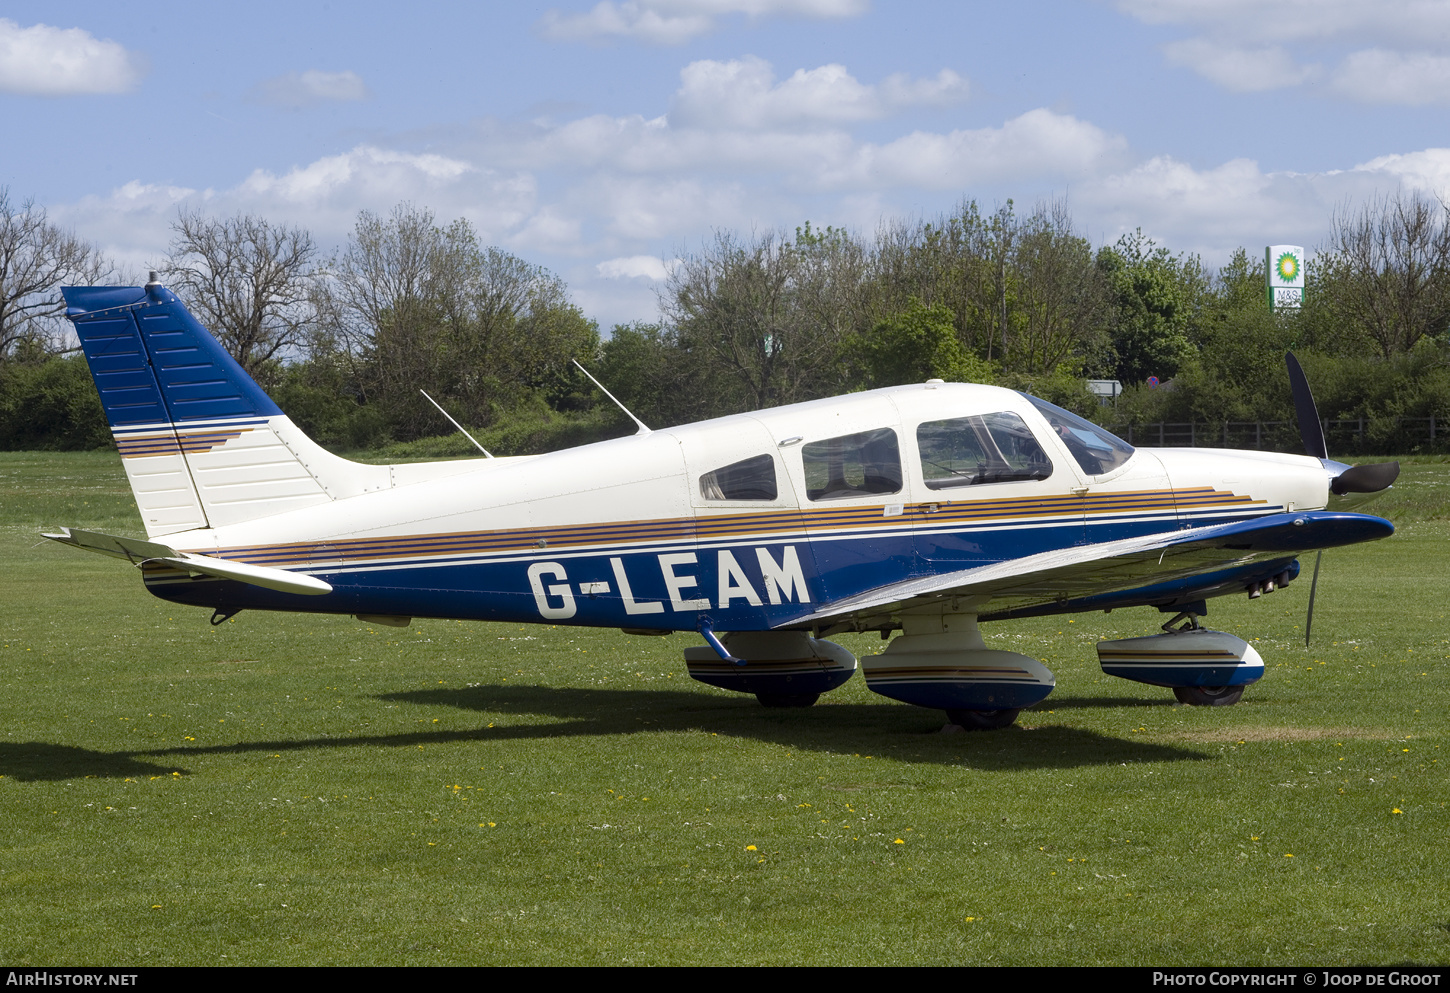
(460, 427)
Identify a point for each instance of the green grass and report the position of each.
(311, 790)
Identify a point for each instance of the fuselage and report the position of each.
(746, 522)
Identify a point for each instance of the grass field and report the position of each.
(310, 790)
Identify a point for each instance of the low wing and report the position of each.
(137, 552)
(1071, 574)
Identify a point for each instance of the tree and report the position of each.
(918, 344)
(36, 259)
(769, 315)
(1023, 292)
(1158, 297)
(419, 306)
(247, 280)
(1387, 270)
(1060, 293)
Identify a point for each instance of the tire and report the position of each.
(1208, 696)
(982, 720)
(787, 699)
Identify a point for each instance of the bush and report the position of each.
(50, 405)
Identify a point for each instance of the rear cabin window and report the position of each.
(748, 479)
(983, 448)
(853, 465)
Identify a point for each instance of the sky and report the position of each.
(605, 140)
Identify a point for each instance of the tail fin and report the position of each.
(202, 444)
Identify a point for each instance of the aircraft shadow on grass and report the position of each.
(895, 732)
(43, 761)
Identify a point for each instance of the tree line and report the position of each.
(345, 341)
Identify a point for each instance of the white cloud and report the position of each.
(1407, 63)
(1411, 22)
(631, 210)
(1379, 76)
(133, 221)
(743, 93)
(1427, 170)
(673, 22)
(365, 169)
(637, 267)
(46, 61)
(1037, 143)
(1236, 204)
(636, 145)
(1243, 70)
(1169, 193)
(305, 89)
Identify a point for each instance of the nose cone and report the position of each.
(1352, 485)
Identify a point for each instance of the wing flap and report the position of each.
(1115, 566)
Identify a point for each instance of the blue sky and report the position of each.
(604, 140)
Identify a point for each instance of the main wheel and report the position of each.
(982, 720)
(787, 699)
(1208, 696)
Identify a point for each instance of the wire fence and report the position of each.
(1360, 436)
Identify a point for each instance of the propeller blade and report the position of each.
(1365, 478)
(1313, 588)
(1310, 429)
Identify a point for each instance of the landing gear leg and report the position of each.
(982, 720)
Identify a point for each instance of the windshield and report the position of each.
(1096, 449)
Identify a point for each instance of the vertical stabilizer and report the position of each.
(203, 445)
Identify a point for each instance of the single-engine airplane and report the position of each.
(922, 508)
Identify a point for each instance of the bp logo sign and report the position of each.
(1284, 266)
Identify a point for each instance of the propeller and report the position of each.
(1311, 429)
(1343, 479)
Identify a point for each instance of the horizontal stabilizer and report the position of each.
(137, 552)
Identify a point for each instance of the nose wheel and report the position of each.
(1208, 696)
(982, 720)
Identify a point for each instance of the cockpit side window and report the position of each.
(748, 479)
(853, 465)
(1097, 450)
(982, 448)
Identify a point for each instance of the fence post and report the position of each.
(1258, 436)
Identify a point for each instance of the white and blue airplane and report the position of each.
(922, 509)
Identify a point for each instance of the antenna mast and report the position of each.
(642, 428)
(445, 413)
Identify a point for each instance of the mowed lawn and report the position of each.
(288, 789)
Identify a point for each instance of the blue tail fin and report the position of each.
(154, 365)
(203, 445)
